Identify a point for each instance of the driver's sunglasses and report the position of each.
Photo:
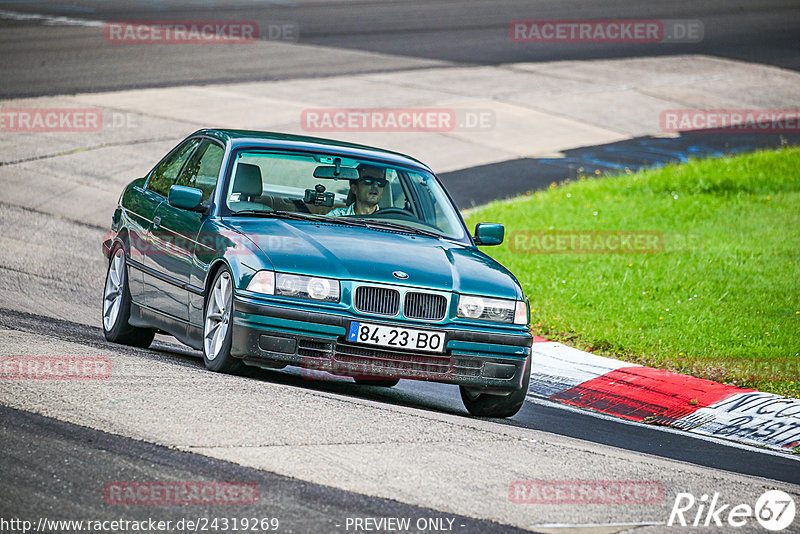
(369, 181)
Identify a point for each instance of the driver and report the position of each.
(365, 193)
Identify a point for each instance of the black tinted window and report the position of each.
(202, 171)
(166, 174)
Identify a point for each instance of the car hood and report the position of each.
(368, 254)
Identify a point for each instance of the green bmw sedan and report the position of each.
(270, 250)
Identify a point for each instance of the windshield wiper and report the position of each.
(399, 227)
(260, 213)
(298, 216)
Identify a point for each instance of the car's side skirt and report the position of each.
(186, 333)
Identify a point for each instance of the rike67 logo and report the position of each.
(774, 510)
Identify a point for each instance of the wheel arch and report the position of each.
(215, 267)
(122, 239)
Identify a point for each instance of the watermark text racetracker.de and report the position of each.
(80, 120)
(55, 368)
(395, 119)
(734, 120)
(424, 368)
(567, 31)
(160, 493)
(586, 242)
(204, 244)
(777, 368)
(198, 32)
(585, 492)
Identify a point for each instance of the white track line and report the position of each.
(50, 20)
(704, 437)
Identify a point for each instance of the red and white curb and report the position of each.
(653, 396)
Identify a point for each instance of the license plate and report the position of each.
(396, 337)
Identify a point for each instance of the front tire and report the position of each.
(218, 325)
(117, 306)
(488, 405)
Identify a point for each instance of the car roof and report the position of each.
(253, 138)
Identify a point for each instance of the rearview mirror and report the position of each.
(336, 172)
(489, 234)
(185, 198)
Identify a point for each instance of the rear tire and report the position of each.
(488, 405)
(117, 306)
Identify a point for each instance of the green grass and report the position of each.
(723, 292)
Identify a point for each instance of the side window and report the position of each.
(202, 171)
(166, 174)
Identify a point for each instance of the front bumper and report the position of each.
(265, 334)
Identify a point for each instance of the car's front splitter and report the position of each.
(264, 335)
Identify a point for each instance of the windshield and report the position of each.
(340, 189)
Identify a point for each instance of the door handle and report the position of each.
(156, 222)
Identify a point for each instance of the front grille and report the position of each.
(425, 306)
(377, 300)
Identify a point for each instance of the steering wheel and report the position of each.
(393, 211)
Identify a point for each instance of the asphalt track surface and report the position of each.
(49, 463)
(51, 57)
(429, 396)
(513, 177)
(51, 468)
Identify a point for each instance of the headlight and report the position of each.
(497, 310)
(295, 285)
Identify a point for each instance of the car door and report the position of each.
(142, 211)
(176, 234)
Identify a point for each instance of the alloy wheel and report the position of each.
(218, 314)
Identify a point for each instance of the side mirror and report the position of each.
(185, 198)
(489, 234)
